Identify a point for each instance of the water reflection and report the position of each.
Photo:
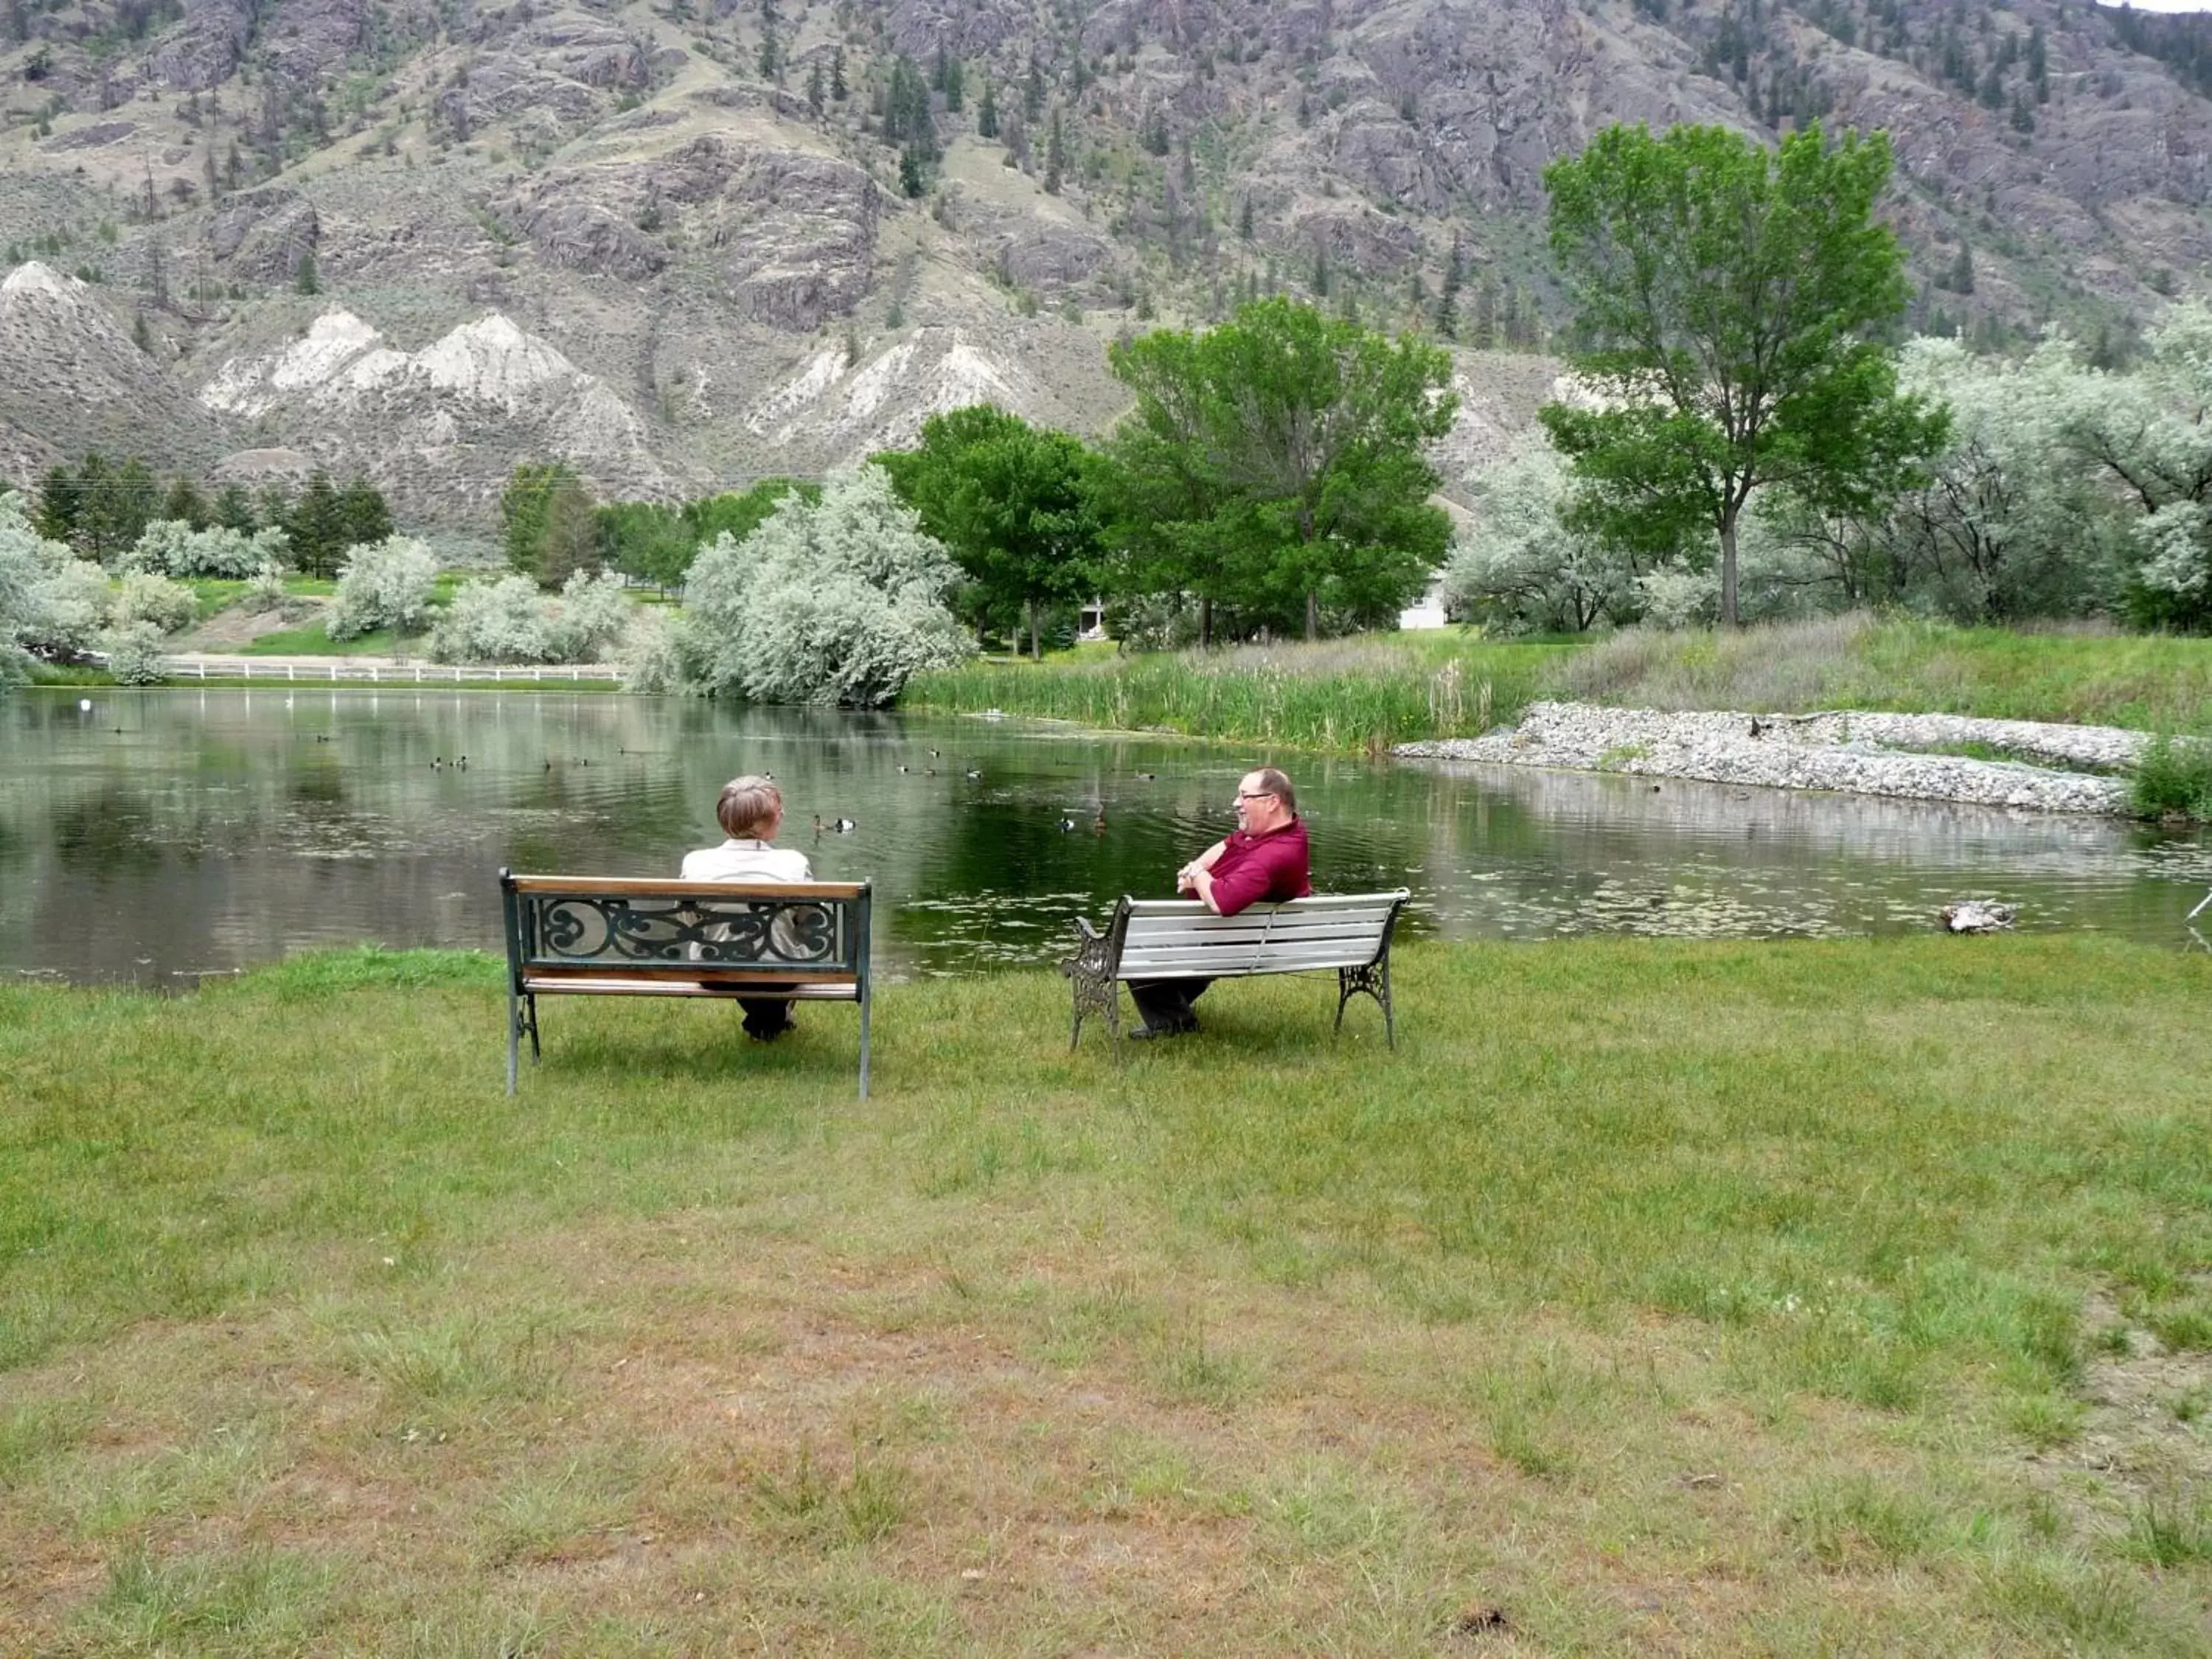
(172, 833)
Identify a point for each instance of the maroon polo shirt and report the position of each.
(1253, 867)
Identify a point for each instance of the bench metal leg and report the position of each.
(1375, 979)
(864, 1045)
(513, 1035)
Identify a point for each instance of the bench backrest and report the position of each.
(1179, 938)
(731, 933)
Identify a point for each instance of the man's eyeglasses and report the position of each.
(1256, 794)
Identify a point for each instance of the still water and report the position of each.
(160, 836)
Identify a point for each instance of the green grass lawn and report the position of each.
(1809, 1297)
(313, 642)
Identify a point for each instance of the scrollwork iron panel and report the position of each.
(568, 930)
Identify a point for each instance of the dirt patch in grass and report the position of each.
(226, 631)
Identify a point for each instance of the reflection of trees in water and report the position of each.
(225, 827)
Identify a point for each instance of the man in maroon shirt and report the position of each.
(1263, 858)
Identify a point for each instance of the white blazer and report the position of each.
(747, 861)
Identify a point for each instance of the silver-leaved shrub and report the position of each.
(168, 607)
(174, 548)
(134, 654)
(836, 602)
(69, 606)
(385, 584)
(498, 621)
(594, 613)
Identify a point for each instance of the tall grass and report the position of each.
(1348, 695)
(2146, 682)
(1710, 1297)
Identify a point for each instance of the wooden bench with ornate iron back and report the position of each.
(798, 941)
(1181, 939)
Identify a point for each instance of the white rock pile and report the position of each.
(1861, 753)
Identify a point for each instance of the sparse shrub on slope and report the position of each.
(385, 584)
(837, 602)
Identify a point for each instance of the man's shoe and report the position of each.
(1146, 1033)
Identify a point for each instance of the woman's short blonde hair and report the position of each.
(747, 804)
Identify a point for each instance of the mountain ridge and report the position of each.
(726, 262)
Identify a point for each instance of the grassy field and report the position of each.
(1363, 693)
(2148, 682)
(1818, 1297)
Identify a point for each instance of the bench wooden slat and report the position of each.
(1180, 939)
(582, 985)
(1226, 964)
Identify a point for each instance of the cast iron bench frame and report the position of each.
(1181, 939)
(793, 941)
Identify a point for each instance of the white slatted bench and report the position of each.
(1181, 939)
(792, 941)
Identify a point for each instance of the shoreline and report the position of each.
(1912, 756)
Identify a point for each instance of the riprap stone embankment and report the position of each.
(1868, 754)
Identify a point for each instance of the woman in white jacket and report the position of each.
(751, 810)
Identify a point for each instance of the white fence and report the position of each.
(321, 671)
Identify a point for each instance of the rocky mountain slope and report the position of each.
(690, 242)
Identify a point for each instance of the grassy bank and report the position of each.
(1348, 695)
(1343, 695)
(1793, 1298)
(2146, 682)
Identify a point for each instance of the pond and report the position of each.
(161, 836)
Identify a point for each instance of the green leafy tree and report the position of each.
(647, 541)
(316, 527)
(1278, 463)
(737, 513)
(1727, 303)
(1011, 502)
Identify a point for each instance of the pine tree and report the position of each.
(1960, 279)
(1484, 335)
(316, 527)
(1033, 92)
(986, 113)
(304, 279)
(1321, 273)
(1055, 155)
(912, 182)
(956, 87)
(814, 90)
(1244, 220)
(838, 89)
(184, 504)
